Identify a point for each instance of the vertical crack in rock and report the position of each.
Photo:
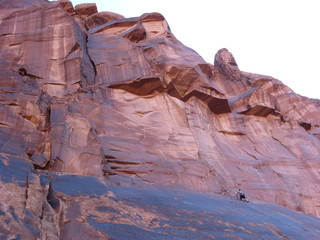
(53, 201)
(51, 214)
(26, 195)
(91, 60)
(44, 103)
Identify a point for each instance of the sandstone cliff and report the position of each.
(94, 104)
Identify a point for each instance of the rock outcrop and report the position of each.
(97, 108)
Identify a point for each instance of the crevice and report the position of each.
(108, 171)
(251, 155)
(14, 44)
(216, 105)
(141, 113)
(26, 194)
(44, 105)
(115, 150)
(92, 62)
(259, 110)
(51, 215)
(42, 213)
(232, 133)
(23, 72)
(149, 163)
(141, 86)
(13, 104)
(83, 90)
(109, 157)
(5, 34)
(306, 125)
(45, 167)
(53, 201)
(115, 167)
(75, 47)
(123, 162)
(30, 153)
(131, 172)
(30, 118)
(148, 181)
(4, 125)
(56, 84)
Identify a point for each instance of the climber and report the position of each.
(241, 196)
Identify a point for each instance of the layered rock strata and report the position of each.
(123, 101)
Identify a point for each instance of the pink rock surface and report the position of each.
(127, 103)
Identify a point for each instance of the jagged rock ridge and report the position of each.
(123, 101)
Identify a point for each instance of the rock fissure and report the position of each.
(91, 61)
(26, 194)
(23, 72)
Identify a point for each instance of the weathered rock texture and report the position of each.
(95, 104)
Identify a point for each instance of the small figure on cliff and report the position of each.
(241, 196)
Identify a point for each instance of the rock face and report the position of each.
(97, 109)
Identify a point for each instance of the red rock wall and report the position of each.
(123, 100)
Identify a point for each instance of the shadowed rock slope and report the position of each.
(110, 125)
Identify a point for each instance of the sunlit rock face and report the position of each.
(121, 102)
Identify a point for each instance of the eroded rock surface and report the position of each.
(119, 103)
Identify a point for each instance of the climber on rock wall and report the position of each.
(241, 196)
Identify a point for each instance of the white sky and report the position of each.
(279, 38)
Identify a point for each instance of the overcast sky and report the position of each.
(279, 38)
